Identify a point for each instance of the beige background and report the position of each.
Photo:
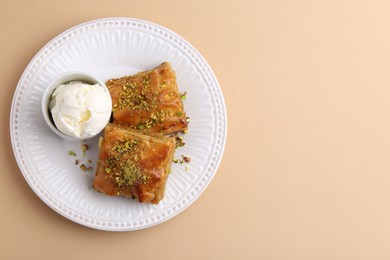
(306, 169)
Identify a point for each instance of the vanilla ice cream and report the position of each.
(79, 109)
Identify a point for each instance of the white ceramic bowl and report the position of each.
(63, 79)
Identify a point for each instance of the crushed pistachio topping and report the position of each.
(125, 172)
(144, 178)
(137, 98)
(183, 96)
(155, 118)
(179, 141)
(146, 82)
(83, 167)
(129, 174)
(110, 162)
(84, 149)
(163, 84)
(86, 166)
(186, 159)
(122, 147)
(71, 153)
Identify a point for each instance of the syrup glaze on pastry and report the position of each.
(149, 101)
(133, 164)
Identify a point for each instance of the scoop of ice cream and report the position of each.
(80, 110)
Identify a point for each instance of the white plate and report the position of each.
(108, 48)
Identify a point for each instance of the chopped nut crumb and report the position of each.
(179, 141)
(71, 153)
(83, 167)
(186, 159)
(84, 149)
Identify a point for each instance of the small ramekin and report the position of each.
(63, 79)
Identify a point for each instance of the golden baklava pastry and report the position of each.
(132, 164)
(149, 101)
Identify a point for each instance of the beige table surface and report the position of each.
(306, 169)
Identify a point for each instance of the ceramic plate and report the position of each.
(109, 48)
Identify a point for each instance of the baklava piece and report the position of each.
(132, 164)
(149, 101)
